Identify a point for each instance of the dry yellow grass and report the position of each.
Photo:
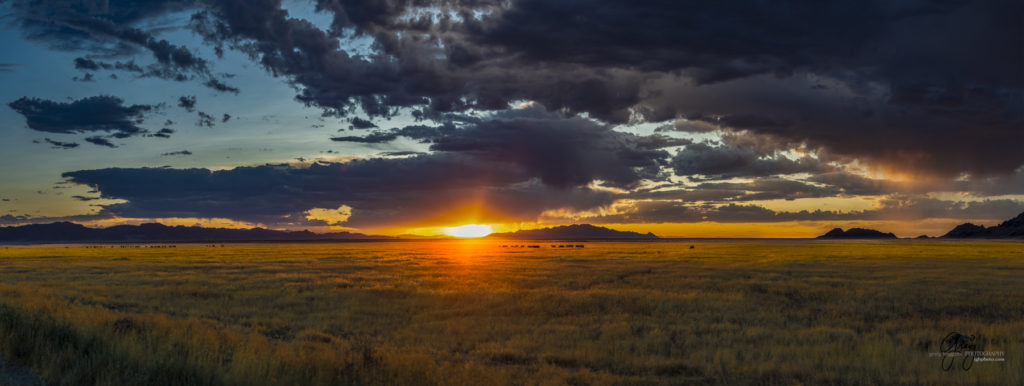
(470, 312)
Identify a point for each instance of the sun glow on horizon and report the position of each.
(469, 230)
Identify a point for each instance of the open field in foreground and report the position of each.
(470, 312)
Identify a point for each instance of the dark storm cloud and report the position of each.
(205, 120)
(921, 207)
(103, 28)
(701, 159)
(359, 123)
(997, 185)
(178, 56)
(328, 76)
(562, 151)
(220, 86)
(932, 87)
(834, 183)
(838, 76)
(764, 188)
(382, 191)
(164, 133)
(408, 70)
(846, 124)
(100, 141)
(714, 41)
(19, 219)
(399, 153)
(378, 137)
(8, 219)
(849, 184)
(428, 134)
(61, 145)
(86, 64)
(86, 115)
(516, 164)
(659, 141)
(187, 102)
(107, 29)
(894, 208)
(680, 212)
(835, 76)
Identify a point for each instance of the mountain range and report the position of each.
(856, 233)
(71, 232)
(572, 232)
(1009, 229)
(1012, 228)
(152, 232)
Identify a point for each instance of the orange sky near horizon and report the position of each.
(475, 212)
(707, 229)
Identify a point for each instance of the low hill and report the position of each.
(1012, 228)
(573, 232)
(61, 232)
(856, 233)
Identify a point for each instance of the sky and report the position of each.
(686, 119)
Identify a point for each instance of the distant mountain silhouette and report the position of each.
(572, 232)
(1012, 228)
(856, 233)
(410, 236)
(71, 232)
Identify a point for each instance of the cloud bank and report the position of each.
(801, 100)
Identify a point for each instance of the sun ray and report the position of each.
(469, 230)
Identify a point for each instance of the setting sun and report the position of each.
(470, 230)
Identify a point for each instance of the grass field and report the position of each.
(471, 312)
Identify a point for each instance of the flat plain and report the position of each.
(475, 312)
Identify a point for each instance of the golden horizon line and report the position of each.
(711, 229)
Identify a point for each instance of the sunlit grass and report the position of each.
(470, 312)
